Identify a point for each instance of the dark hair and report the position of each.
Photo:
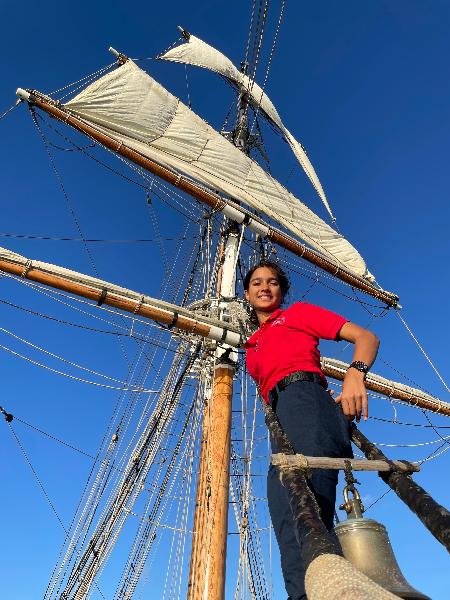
(273, 266)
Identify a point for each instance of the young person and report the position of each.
(282, 357)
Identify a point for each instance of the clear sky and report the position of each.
(365, 87)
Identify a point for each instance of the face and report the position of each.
(264, 292)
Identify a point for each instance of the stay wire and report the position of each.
(58, 357)
(148, 188)
(434, 428)
(187, 86)
(409, 424)
(10, 109)
(36, 476)
(126, 334)
(125, 388)
(72, 211)
(92, 501)
(259, 34)
(419, 345)
(318, 278)
(250, 29)
(95, 240)
(269, 64)
(430, 456)
(64, 191)
(53, 437)
(83, 79)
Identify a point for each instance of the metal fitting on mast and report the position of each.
(121, 58)
(184, 33)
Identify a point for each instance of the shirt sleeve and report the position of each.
(319, 322)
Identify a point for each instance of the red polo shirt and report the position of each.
(288, 341)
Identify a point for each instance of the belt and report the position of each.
(298, 376)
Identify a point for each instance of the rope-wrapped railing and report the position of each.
(324, 462)
(331, 577)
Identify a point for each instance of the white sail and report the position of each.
(132, 108)
(198, 53)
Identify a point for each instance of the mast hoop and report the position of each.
(174, 320)
(102, 297)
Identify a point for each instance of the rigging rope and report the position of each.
(53, 437)
(250, 29)
(73, 364)
(156, 228)
(11, 108)
(88, 77)
(112, 520)
(36, 476)
(187, 86)
(146, 340)
(88, 513)
(269, 64)
(151, 520)
(64, 191)
(410, 424)
(428, 359)
(97, 384)
(151, 182)
(94, 240)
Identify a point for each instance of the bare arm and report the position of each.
(353, 397)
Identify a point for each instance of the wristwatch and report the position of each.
(359, 365)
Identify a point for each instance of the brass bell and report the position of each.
(365, 543)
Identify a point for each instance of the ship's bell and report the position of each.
(365, 543)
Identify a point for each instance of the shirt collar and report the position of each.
(273, 316)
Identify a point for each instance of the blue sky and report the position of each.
(364, 86)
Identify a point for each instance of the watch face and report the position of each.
(360, 366)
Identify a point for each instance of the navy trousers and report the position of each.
(315, 426)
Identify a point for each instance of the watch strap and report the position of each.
(359, 365)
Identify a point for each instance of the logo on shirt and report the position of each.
(280, 321)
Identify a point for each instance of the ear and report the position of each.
(246, 295)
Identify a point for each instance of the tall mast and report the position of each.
(209, 542)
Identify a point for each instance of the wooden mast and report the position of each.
(209, 541)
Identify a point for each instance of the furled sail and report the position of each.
(198, 53)
(132, 108)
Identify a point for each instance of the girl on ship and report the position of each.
(282, 357)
